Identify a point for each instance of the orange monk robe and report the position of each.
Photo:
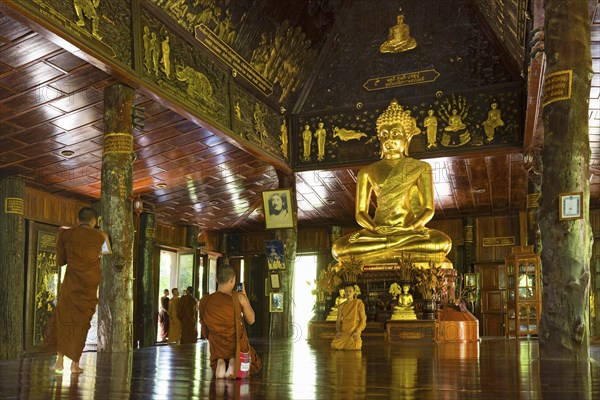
(218, 321)
(351, 318)
(187, 314)
(80, 249)
(174, 322)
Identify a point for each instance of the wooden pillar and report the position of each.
(469, 235)
(566, 251)
(115, 308)
(281, 323)
(146, 301)
(12, 267)
(191, 240)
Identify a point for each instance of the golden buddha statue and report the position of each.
(333, 314)
(399, 38)
(405, 309)
(404, 190)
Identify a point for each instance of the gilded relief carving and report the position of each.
(493, 121)
(165, 59)
(347, 134)
(321, 135)
(198, 85)
(284, 138)
(431, 125)
(453, 113)
(258, 119)
(87, 9)
(399, 38)
(306, 142)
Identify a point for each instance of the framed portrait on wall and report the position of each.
(274, 253)
(570, 206)
(275, 281)
(278, 208)
(276, 303)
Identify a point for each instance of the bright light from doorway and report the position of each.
(305, 273)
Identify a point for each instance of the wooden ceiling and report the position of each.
(51, 104)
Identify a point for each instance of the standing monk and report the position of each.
(221, 319)
(174, 322)
(187, 311)
(80, 248)
(163, 316)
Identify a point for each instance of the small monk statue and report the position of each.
(405, 203)
(405, 309)
(333, 314)
(493, 121)
(399, 38)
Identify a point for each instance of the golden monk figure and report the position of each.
(493, 121)
(399, 38)
(405, 308)
(404, 190)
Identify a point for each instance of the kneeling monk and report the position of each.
(221, 319)
(351, 321)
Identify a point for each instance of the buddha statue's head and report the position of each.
(395, 129)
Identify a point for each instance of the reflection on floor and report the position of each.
(491, 369)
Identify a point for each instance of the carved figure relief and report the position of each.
(493, 121)
(147, 38)
(237, 111)
(258, 119)
(431, 125)
(154, 52)
(453, 113)
(306, 142)
(284, 139)
(399, 38)
(198, 84)
(87, 8)
(166, 57)
(347, 134)
(321, 135)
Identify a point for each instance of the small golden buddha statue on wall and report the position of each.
(399, 38)
(405, 310)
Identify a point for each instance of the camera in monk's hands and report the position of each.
(239, 287)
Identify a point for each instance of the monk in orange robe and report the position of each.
(221, 318)
(351, 321)
(80, 248)
(188, 315)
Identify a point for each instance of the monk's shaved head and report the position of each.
(225, 273)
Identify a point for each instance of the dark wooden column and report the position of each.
(191, 240)
(146, 301)
(12, 267)
(469, 234)
(115, 308)
(281, 323)
(566, 244)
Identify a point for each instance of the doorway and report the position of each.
(305, 273)
(176, 271)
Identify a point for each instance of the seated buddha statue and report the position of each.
(399, 38)
(405, 308)
(403, 187)
(333, 314)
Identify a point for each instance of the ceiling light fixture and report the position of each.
(67, 153)
(161, 185)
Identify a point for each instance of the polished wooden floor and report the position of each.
(294, 369)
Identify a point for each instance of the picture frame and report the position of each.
(275, 280)
(570, 206)
(277, 205)
(470, 280)
(275, 254)
(276, 303)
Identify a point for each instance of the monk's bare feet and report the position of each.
(229, 374)
(220, 371)
(58, 366)
(75, 368)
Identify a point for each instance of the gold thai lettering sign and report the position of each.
(382, 267)
(557, 86)
(47, 241)
(150, 232)
(236, 62)
(392, 81)
(499, 241)
(118, 143)
(14, 205)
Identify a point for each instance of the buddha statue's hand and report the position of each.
(397, 230)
